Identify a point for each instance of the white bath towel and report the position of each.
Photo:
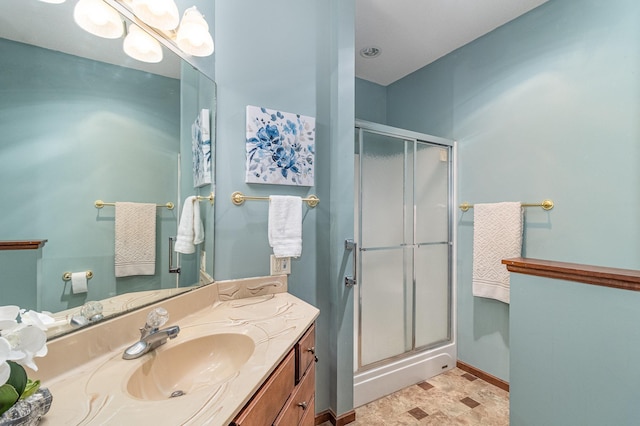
(135, 239)
(497, 235)
(285, 225)
(190, 229)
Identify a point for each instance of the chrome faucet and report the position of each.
(151, 336)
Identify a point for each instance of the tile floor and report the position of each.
(452, 398)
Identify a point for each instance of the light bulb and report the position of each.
(97, 18)
(160, 14)
(141, 46)
(193, 35)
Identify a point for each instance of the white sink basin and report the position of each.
(178, 369)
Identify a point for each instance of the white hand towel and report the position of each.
(285, 225)
(497, 235)
(135, 239)
(190, 230)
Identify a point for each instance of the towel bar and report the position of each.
(211, 198)
(238, 198)
(100, 204)
(545, 204)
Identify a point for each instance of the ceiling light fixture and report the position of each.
(160, 14)
(370, 52)
(193, 36)
(141, 46)
(97, 18)
(53, 1)
(153, 17)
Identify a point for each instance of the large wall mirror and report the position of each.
(81, 121)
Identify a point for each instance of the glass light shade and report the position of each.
(160, 14)
(53, 1)
(193, 35)
(98, 18)
(141, 46)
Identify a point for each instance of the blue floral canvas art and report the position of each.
(280, 147)
(201, 149)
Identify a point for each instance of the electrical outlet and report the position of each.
(280, 265)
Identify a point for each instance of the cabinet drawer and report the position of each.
(309, 417)
(301, 402)
(267, 402)
(305, 352)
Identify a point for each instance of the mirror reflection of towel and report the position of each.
(190, 229)
(135, 239)
(285, 225)
(497, 235)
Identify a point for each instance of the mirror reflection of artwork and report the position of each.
(280, 147)
(201, 145)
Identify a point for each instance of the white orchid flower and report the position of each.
(20, 342)
(26, 342)
(42, 320)
(5, 370)
(8, 316)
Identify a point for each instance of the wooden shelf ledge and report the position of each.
(22, 245)
(627, 279)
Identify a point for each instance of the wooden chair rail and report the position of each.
(22, 245)
(627, 279)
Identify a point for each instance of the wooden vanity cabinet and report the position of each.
(301, 403)
(287, 398)
(305, 352)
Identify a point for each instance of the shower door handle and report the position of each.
(172, 269)
(352, 280)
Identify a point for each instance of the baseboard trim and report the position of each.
(330, 416)
(482, 375)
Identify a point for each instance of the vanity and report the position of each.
(287, 398)
(245, 355)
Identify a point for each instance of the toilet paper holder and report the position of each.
(67, 275)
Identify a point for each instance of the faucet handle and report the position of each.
(157, 317)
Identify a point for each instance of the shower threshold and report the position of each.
(398, 373)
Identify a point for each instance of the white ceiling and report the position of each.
(410, 33)
(414, 33)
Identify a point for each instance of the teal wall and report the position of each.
(74, 131)
(20, 277)
(371, 101)
(574, 354)
(546, 106)
(295, 56)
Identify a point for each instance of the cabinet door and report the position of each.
(305, 352)
(301, 402)
(267, 402)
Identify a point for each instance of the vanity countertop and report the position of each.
(95, 392)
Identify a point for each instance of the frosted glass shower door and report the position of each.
(432, 248)
(385, 293)
(404, 240)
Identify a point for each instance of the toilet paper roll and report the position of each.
(78, 282)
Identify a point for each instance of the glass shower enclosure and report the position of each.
(404, 234)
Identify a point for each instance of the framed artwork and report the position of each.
(280, 147)
(201, 149)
